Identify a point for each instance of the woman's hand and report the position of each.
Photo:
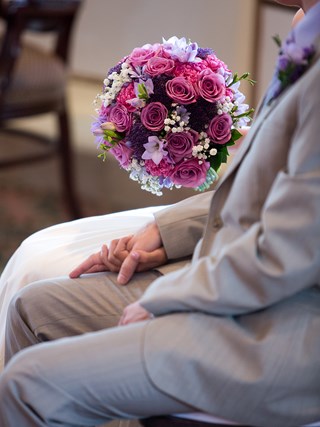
(145, 251)
(140, 252)
(134, 313)
(99, 261)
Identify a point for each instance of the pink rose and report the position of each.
(160, 51)
(215, 63)
(140, 56)
(189, 70)
(211, 86)
(104, 112)
(122, 153)
(153, 116)
(181, 90)
(180, 144)
(156, 66)
(126, 94)
(162, 169)
(190, 173)
(219, 129)
(121, 117)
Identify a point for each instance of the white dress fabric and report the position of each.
(56, 250)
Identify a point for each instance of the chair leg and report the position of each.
(67, 165)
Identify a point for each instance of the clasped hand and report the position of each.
(139, 252)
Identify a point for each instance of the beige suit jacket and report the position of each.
(240, 325)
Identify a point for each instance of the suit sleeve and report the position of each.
(277, 256)
(182, 225)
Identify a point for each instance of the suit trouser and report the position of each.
(82, 378)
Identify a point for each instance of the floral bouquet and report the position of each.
(168, 113)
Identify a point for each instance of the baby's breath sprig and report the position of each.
(177, 121)
(203, 150)
(113, 84)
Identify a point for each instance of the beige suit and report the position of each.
(250, 343)
(236, 332)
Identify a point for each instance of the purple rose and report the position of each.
(181, 90)
(156, 66)
(219, 129)
(179, 144)
(211, 86)
(153, 116)
(140, 56)
(121, 117)
(190, 173)
(122, 153)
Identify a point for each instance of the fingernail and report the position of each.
(135, 255)
(121, 279)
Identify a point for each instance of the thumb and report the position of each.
(128, 267)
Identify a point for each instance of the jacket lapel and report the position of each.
(262, 114)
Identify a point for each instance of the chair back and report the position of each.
(56, 16)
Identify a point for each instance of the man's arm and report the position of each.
(152, 241)
(277, 256)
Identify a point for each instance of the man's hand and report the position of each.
(99, 261)
(134, 313)
(140, 252)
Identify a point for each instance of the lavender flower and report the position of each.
(201, 114)
(138, 136)
(181, 50)
(203, 52)
(292, 62)
(159, 91)
(154, 150)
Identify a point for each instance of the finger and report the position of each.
(118, 250)
(148, 260)
(85, 265)
(122, 319)
(128, 268)
(97, 268)
(122, 247)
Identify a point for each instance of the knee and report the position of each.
(21, 305)
(28, 307)
(33, 296)
(19, 376)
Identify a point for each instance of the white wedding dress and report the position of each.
(56, 250)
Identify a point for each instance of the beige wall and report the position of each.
(107, 30)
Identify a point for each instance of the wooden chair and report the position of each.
(33, 81)
(170, 421)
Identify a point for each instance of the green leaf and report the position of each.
(215, 161)
(235, 134)
(102, 156)
(142, 91)
(276, 38)
(244, 76)
(113, 137)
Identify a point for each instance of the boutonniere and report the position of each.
(293, 60)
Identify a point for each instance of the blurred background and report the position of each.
(240, 32)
